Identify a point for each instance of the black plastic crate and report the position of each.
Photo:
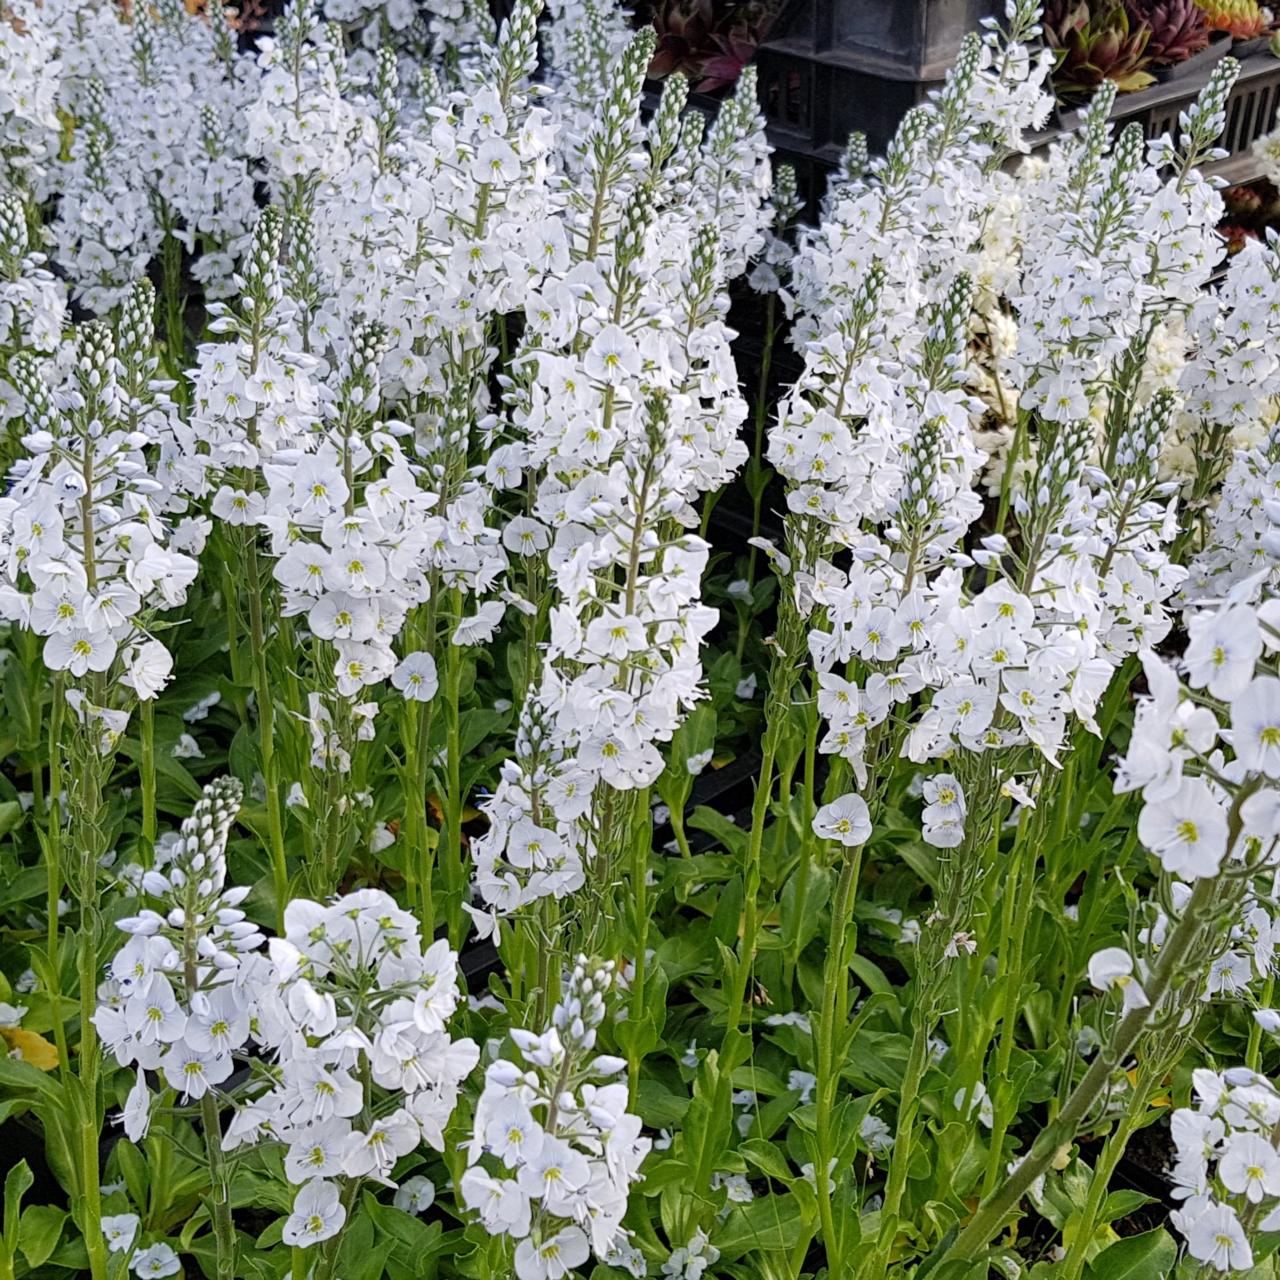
(1253, 109)
(830, 67)
(895, 39)
(813, 100)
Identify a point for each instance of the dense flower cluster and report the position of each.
(87, 554)
(627, 409)
(156, 158)
(30, 70)
(351, 1010)
(555, 1149)
(1227, 1166)
(369, 389)
(33, 302)
(175, 1002)
(1081, 257)
(355, 1014)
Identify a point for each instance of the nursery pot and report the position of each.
(1255, 44)
(1215, 51)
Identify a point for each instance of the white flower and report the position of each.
(847, 820)
(612, 356)
(1187, 831)
(148, 668)
(317, 1214)
(1250, 1166)
(200, 710)
(1267, 151)
(803, 1083)
(416, 678)
(552, 1258)
(155, 1261)
(79, 651)
(875, 1134)
(480, 627)
(1224, 645)
(193, 1072)
(376, 1150)
(1111, 969)
(137, 1110)
(415, 1195)
(119, 1230)
(979, 1100)
(1216, 1237)
(1255, 726)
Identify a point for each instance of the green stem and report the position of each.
(751, 889)
(1020, 895)
(547, 991)
(908, 1108)
(88, 836)
(1253, 1054)
(997, 1207)
(834, 1018)
(453, 800)
(266, 731)
(641, 841)
(147, 775)
(53, 868)
(681, 835)
(224, 1231)
(756, 465)
(175, 329)
(90, 1174)
(1098, 1185)
(419, 854)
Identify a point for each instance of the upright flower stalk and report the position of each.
(385, 546)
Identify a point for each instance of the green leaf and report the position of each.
(728, 916)
(694, 737)
(1120, 1204)
(133, 1169)
(362, 1256)
(871, 975)
(733, 839)
(39, 1232)
(16, 1185)
(637, 1036)
(658, 1106)
(72, 1256)
(10, 816)
(767, 1158)
(29, 883)
(801, 915)
(271, 1236)
(421, 1238)
(1149, 1256)
(768, 1223)
(166, 767)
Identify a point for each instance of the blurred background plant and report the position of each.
(709, 43)
(1178, 29)
(1240, 19)
(1132, 42)
(1094, 43)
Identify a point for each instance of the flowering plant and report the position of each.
(491, 789)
